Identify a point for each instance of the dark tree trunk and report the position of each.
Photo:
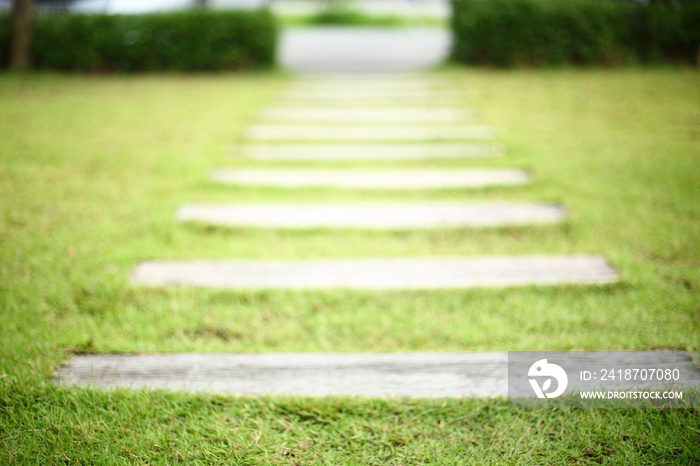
(21, 34)
(201, 3)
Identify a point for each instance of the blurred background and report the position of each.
(432, 8)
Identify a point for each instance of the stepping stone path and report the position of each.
(361, 111)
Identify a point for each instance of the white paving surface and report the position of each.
(361, 50)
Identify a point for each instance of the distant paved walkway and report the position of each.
(347, 49)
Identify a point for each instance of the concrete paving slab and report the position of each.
(309, 132)
(419, 375)
(362, 83)
(368, 152)
(372, 94)
(372, 102)
(365, 80)
(410, 179)
(374, 215)
(378, 273)
(331, 115)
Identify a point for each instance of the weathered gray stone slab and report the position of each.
(369, 115)
(394, 151)
(383, 216)
(309, 132)
(416, 375)
(372, 179)
(420, 375)
(379, 274)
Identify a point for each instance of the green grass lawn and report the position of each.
(93, 168)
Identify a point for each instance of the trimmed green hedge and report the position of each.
(189, 41)
(510, 33)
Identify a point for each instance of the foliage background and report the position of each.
(189, 41)
(508, 33)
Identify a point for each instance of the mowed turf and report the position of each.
(92, 170)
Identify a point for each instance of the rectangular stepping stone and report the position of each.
(419, 375)
(372, 179)
(379, 101)
(364, 77)
(371, 82)
(394, 151)
(291, 132)
(368, 115)
(378, 274)
(369, 85)
(383, 216)
(371, 94)
(308, 374)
